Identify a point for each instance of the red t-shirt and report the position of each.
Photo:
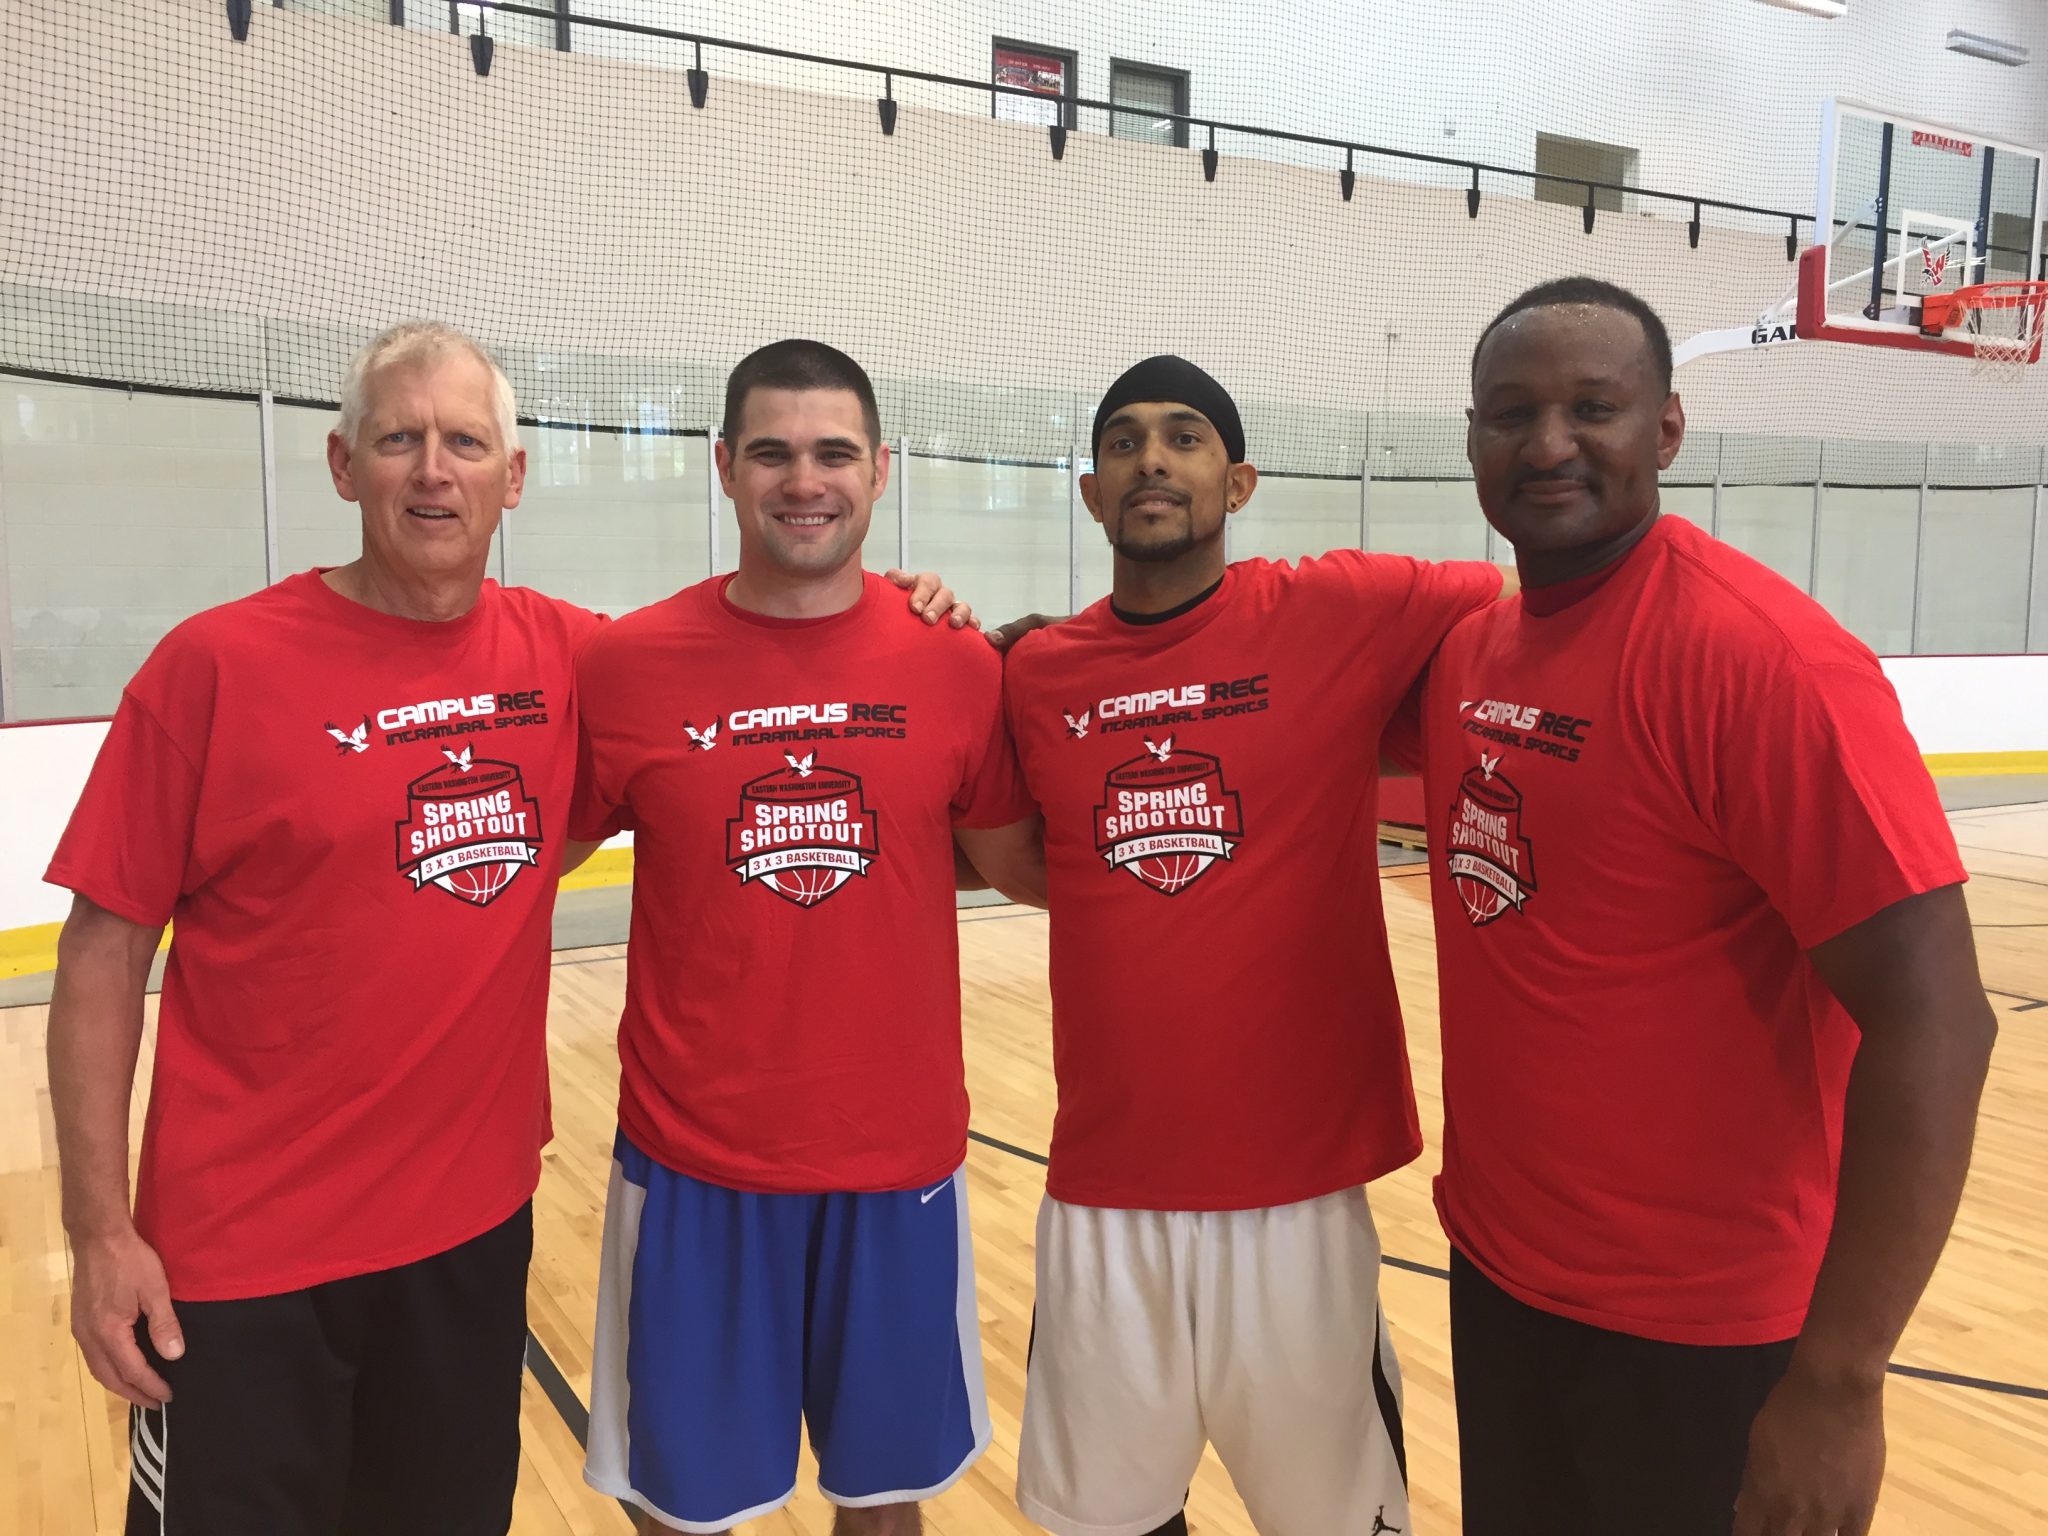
(1226, 1033)
(354, 822)
(1645, 805)
(792, 1018)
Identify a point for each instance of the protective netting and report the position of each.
(190, 211)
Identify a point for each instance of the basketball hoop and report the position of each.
(2002, 357)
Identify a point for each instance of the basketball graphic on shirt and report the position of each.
(470, 828)
(1488, 860)
(1167, 817)
(802, 831)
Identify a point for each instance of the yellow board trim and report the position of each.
(26, 951)
(1955, 765)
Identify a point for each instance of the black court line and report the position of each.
(2019, 997)
(555, 1387)
(2008, 879)
(1950, 1379)
(2028, 1007)
(1414, 1267)
(1004, 1146)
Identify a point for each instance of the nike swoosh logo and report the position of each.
(926, 1197)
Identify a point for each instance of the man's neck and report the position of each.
(430, 599)
(1142, 587)
(779, 595)
(1547, 568)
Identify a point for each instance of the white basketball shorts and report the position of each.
(1259, 1331)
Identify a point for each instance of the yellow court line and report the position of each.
(27, 951)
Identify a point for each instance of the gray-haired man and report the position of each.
(349, 790)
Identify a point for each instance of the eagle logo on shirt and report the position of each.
(704, 740)
(1078, 729)
(357, 740)
(802, 765)
(1161, 750)
(461, 759)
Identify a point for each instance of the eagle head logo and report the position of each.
(802, 765)
(704, 740)
(1078, 728)
(357, 740)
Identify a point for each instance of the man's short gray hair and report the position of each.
(422, 341)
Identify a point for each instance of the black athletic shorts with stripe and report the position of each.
(385, 1404)
(1569, 1430)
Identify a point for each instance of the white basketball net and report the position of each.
(2005, 359)
(2001, 359)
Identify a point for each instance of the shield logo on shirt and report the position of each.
(802, 831)
(470, 827)
(1489, 861)
(1167, 817)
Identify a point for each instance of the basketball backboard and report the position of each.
(1905, 209)
(1912, 209)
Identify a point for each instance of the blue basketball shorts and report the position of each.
(728, 1321)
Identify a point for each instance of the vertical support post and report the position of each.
(561, 26)
(1365, 495)
(1714, 511)
(7, 689)
(1074, 511)
(1919, 550)
(398, 13)
(1820, 475)
(266, 440)
(2037, 539)
(1982, 248)
(902, 503)
(1878, 254)
(712, 491)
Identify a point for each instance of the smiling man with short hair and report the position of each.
(1701, 942)
(786, 1234)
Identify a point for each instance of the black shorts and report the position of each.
(386, 1403)
(1566, 1428)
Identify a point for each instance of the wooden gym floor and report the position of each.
(1968, 1404)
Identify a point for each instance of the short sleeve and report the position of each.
(593, 814)
(1394, 610)
(1822, 798)
(597, 807)
(128, 845)
(993, 794)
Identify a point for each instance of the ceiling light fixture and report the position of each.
(1827, 8)
(1992, 48)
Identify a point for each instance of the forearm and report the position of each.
(1908, 1125)
(1011, 859)
(95, 1036)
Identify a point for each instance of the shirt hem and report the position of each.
(654, 1151)
(82, 884)
(1769, 1330)
(245, 1289)
(1256, 1200)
